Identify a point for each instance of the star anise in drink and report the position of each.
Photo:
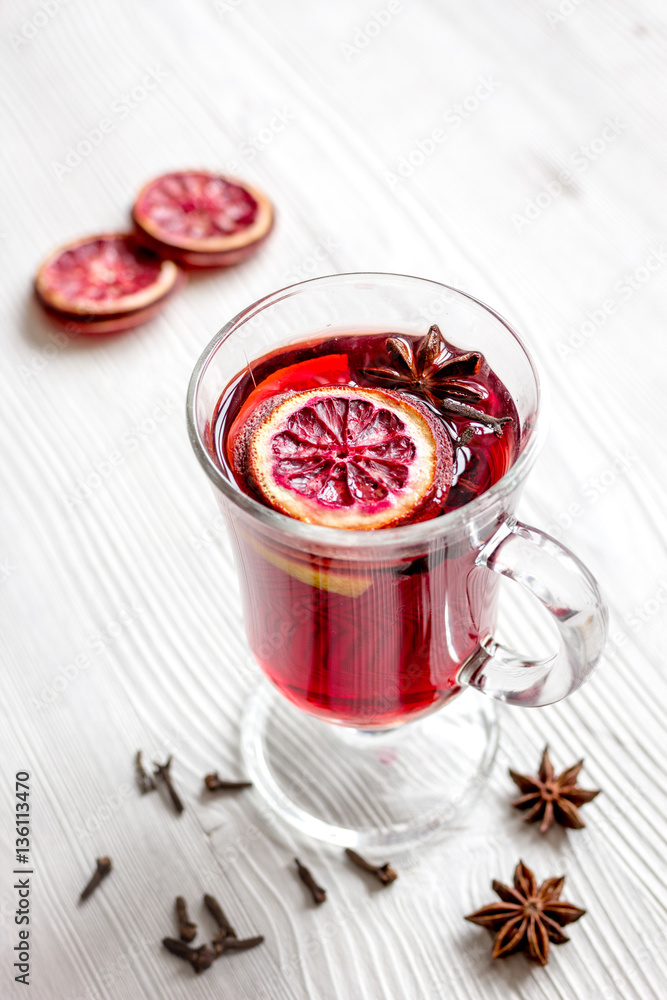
(550, 798)
(446, 382)
(529, 917)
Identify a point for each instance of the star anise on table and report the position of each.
(529, 917)
(548, 797)
(445, 383)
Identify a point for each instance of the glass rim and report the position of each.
(350, 537)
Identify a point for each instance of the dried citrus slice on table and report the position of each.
(105, 284)
(347, 457)
(201, 219)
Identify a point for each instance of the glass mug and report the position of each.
(371, 630)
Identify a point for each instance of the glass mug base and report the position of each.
(391, 788)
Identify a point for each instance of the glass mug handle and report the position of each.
(562, 585)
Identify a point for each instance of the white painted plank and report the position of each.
(120, 611)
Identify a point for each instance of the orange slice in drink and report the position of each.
(347, 457)
(330, 369)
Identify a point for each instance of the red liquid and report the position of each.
(372, 642)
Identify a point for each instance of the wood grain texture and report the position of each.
(120, 612)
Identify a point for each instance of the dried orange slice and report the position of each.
(347, 457)
(330, 369)
(201, 219)
(104, 284)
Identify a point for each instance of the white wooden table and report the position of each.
(516, 150)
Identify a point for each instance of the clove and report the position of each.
(463, 410)
(385, 873)
(187, 931)
(216, 784)
(318, 893)
(101, 872)
(225, 931)
(466, 436)
(163, 771)
(200, 959)
(242, 944)
(144, 780)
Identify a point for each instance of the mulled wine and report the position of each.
(364, 432)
